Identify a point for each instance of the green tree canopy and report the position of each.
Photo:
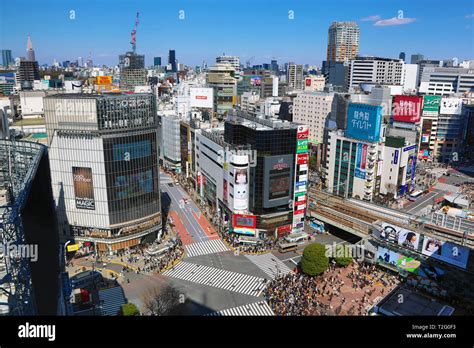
(130, 309)
(314, 259)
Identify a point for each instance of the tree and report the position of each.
(343, 255)
(314, 260)
(129, 309)
(163, 300)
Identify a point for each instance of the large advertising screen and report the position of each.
(448, 252)
(408, 264)
(361, 160)
(399, 235)
(244, 224)
(133, 185)
(407, 108)
(201, 97)
(278, 180)
(83, 188)
(130, 151)
(387, 256)
(241, 188)
(279, 186)
(451, 106)
(431, 105)
(364, 121)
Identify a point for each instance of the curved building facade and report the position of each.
(104, 165)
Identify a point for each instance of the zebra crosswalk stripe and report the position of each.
(270, 264)
(252, 309)
(218, 278)
(205, 248)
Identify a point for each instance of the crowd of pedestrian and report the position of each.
(261, 246)
(299, 294)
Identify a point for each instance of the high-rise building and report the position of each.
(132, 71)
(104, 168)
(375, 70)
(157, 61)
(446, 81)
(294, 76)
(172, 60)
(343, 41)
(29, 50)
(402, 56)
(274, 65)
(232, 60)
(221, 78)
(415, 58)
(7, 59)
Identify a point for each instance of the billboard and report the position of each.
(308, 82)
(407, 108)
(103, 80)
(364, 121)
(130, 151)
(241, 189)
(244, 224)
(83, 188)
(431, 105)
(399, 235)
(448, 252)
(256, 81)
(425, 138)
(451, 106)
(361, 160)
(302, 132)
(225, 192)
(201, 97)
(302, 158)
(411, 167)
(133, 185)
(408, 264)
(302, 146)
(387, 256)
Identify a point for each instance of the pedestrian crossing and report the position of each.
(253, 309)
(205, 248)
(218, 278)
(270, 264)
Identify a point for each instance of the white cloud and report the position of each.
(371, 18)
(394, 21)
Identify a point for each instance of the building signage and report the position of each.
(244, 224)
(301, 177)
(395, 157)
(201, 97)
(302, 146)
(451, 106)
(302, 158)
(407, 108)
(408, 148)
(364, 121)
(241, 189)
(83, 188)
(431, 104)
(361, 160)
(104, 80)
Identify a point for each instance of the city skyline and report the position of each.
(200, 32)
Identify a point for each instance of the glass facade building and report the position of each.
(104, 163)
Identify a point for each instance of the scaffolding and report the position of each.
(19, 161)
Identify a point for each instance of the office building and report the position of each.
(294, 76)
(171, 143)
(446, 81)
(7, 59)
(132, 71)
(343, 41)
(104, 168)
(234, 61)
(274, 66)
(402, 56)
(221, 78)
(156, 61)
(415, 58)
(365, 70)
(29, 285)
(172, 61)
(27, 73)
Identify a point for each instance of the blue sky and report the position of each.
(248, 28)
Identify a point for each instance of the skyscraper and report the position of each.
(343, 41)
(172, 60)
(415, 58)
(295, 76)
(7, 57)
(402, 56)
(157, 61)
(29, 50)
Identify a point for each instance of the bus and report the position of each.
(286, 247)
(414, 195)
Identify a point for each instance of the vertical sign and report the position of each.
(83, 188)
(301, 175)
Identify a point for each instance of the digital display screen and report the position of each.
(244, 221)
(134, 184)
(130, 151)
(279, 186)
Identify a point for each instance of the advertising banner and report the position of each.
(244, 224)
(399, 235)
(302, 132)
(431, 105)
(395, 156)
(364, 122)
(448, 252)
(103, 80)
(408, 264)
(201, 97)
(282, 230)
(241, 189)
(226, 192)
(387, 256)
(425, 138)
(83, 188)
(302, 158)
(133, 185)
(302, 146)
(451, 106)
(407, 108)
(129, 151)
(361, 160)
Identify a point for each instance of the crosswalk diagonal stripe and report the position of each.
(252, 309)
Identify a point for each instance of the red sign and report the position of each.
(245, 221)
(302, 158)
(202, 97)
(298, 203)
(407, 108)
(302, 132)
(284, 229)
(298, 212)
(308, 82)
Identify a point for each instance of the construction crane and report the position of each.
(134, 34)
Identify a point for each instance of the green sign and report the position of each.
(302, 146)
(431, 103)
(299, 194)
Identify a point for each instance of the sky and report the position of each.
(255, 30)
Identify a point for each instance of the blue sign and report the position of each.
(409, 148)
(364, 122)
(395, 157)
(130, 151)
